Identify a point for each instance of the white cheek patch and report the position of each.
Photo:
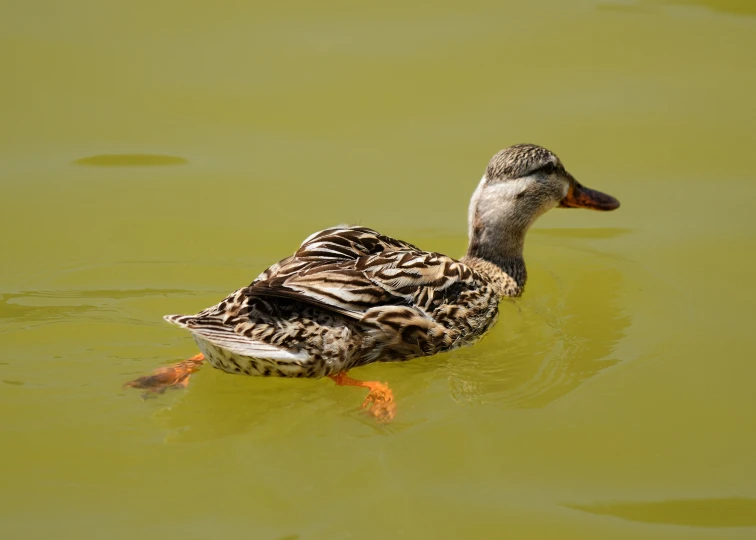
(495, 201)
(509, 189)
(512, 188)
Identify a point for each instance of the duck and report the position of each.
(350, 296)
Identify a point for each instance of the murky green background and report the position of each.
(614, 400)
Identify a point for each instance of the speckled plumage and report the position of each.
(350, 296)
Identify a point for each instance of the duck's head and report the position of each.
(521, 183)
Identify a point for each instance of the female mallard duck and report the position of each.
(350, 296)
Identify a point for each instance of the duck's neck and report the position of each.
(504, 251)
(497, 230)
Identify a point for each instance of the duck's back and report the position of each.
(347, 297)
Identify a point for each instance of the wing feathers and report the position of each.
(350, 270)
(405, 300)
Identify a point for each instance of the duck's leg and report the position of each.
(174, 376)
(379, 401)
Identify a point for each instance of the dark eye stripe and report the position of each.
(548, 168)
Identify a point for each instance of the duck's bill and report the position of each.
(582, 197)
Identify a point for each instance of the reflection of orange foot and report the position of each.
(379, 401)
(175, 376)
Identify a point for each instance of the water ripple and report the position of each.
(714, 512)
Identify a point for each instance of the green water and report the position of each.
(155, 156)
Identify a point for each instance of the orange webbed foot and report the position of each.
(379, 402)
(174, 376)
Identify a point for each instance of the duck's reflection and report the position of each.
(218, 405)
(564, 331)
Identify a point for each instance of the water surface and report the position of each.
(156, 156)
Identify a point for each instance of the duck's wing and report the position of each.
(410, 302)
(350, 270)
(333, 245)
